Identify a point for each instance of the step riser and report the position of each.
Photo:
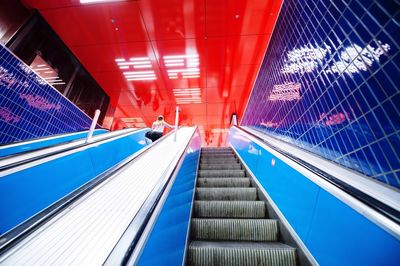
(229, 209)
(220, 173)
(240, 257)
(246, 194)
(220, 166)
(223, 182)
(235, 229)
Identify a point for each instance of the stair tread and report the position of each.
(239, 245)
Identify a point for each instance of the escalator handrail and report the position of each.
(149, 207)
(377, 205)
(23, 230)
(95, 140)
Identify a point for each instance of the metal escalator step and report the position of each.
(223, 182)
(234, 229)
(219, 161)
(218, 166)
(208, 253)
(229, 209)
(220, 193)
(221, 173)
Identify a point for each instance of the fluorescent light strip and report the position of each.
(172, 74)
(138, 72)
(41, 65)
(153, 78)
(49, 72)
(181, 56)
(141, 63)
(51, 77)
(187, 89)
(190, 77)
(174, 64)
(191, 73)
(139, 59)
(140, 76)
(120, 60)
(142, 66)
(124, 67)
(59, 83)
(193, 64)
(40, 69)
(173, 61)
(183, 70)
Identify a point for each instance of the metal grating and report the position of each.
(30, 107)
(330, 84)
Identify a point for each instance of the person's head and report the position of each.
(160, 118)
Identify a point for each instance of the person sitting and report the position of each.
(157, 129)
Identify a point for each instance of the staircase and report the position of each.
(229, 225)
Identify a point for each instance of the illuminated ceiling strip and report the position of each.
(173, 61)
(189, 77)
(59, 83)
(133, 63)
(191, 73)
(139, 76)
(153, 78)
(188, 98)
(183, 70)
(98, 1)
(172, 74)
(41, 65)
(138, 72)
(180, 56)
(193, 64)
(124, 67)
(187, 89)
(142, 66)
(139, 59)
(49, 72)
(40, 69)
(141, 63)
(120, 60)
(51, 77)
(174, 64)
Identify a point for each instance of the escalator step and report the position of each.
(234, 229)
(219, 161)
(222, 166)
(226, 193)
(221, 173)
(223, 182)
(229, 209)
(207, 253)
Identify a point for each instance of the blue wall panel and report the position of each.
(334, 233)
(166, 242)
(27, 192)
(30, 107)
(330, 84)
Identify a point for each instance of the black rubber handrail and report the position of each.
(20, 232)
(368, 200)
(49, 154)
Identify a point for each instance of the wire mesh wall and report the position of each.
(329, 83)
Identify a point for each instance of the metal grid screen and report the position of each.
(329, 83)
(30, 107)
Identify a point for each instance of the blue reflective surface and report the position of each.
(330, 84)
(333, 232)
(42, 143)
(30, 107)
(27, 192)
(167, 241)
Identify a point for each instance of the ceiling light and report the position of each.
(120, 60)
(174, 64)
(181, 56)
(139, 59)
(140, 76)
(190, 77)
(138, 72)
(124, 67)
(173, 61)
(152, 78)
(98, 1)
(142, 66)
(183, 70)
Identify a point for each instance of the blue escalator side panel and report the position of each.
(27, 192)
(30, 146)
(167, 241)
(333, 232)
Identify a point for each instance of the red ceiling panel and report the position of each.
(227, 39)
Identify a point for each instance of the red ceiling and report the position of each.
(230, 37)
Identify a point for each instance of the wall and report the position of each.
(330, 84)
(333, 232)
(30, 107)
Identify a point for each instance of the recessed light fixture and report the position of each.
(98, 1)
(136, 63)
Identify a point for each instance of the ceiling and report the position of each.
(202, 55)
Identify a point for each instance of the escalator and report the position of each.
(230, 225)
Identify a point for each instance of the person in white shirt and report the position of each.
(157, 129)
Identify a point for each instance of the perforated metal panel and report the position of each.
(329, 83)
